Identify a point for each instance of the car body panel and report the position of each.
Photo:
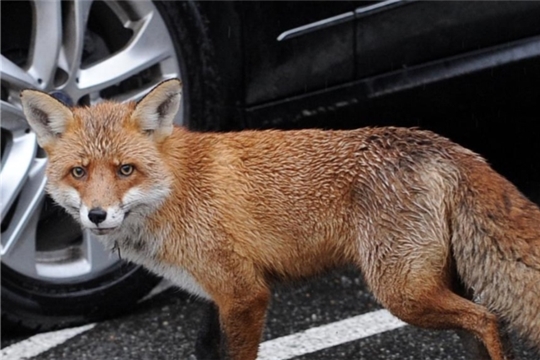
(275, 69)
(422, 31)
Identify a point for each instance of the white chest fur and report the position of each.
(143, 248)
(180, 278)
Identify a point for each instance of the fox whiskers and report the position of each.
(117, 248)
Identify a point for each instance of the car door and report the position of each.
(295, 47)
(394, 35)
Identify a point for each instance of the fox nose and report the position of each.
(97, 215)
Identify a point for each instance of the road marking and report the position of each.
(37, 344)
(329, 335)
(282, 348)
(158, 289)
(40, 343)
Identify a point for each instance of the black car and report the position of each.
(467, 70)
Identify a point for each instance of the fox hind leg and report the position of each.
(475, 347)
(433, 305)
(471, 343)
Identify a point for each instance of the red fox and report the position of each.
(225, 215)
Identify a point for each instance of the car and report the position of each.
(467, 70)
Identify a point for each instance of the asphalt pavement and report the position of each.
(166, 325)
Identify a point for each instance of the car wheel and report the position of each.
(54, 275)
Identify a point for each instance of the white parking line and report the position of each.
(158, 289)
(329, 335)
(37, 344)
(40, 343)
(282, 348)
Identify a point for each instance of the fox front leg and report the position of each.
(242, 322)
(209, 339)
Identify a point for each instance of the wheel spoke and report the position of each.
(136, 94)
(88, 258)
(146, 48)
(20, 148)
(15, 76)
(73, 33)
(21, 254)
(13, 119)
(16, 165)
(96, 254)
(27, 210)
(47, 38)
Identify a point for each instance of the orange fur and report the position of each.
(239, 210)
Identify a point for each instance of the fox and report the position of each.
(442, 240)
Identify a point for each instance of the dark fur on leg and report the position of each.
(472, 344)
(209, 340)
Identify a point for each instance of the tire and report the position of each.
(32, 305)
(46, 283)
(203, 95)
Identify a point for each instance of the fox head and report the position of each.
(104, 161)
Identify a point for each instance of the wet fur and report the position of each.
(222, 214)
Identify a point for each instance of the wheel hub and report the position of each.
(81, 52)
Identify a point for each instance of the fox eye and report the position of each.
(78, 172)
(126, 170)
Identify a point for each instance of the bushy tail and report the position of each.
(496, 246)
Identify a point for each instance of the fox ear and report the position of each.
(47, 116)
(155, 112)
